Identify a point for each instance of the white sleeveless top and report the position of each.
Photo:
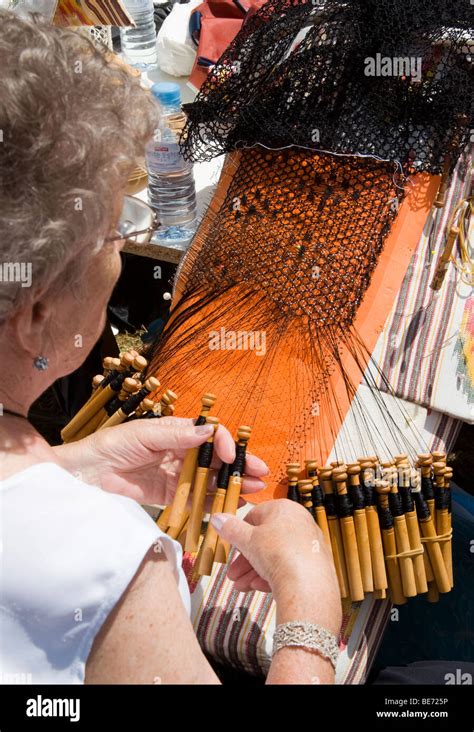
(68, 552)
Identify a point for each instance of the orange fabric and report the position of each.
(274, 394)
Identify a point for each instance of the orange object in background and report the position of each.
(213, 26)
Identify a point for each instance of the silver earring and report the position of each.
(41, 363)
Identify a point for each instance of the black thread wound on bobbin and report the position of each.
(205, 455)
(238, 466)
(385, 517)
(422, 510)
(343, 505)
(356, 494)
(223, 476)
(395, 503)
(427, 488)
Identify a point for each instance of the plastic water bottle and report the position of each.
(139, 43)
(171, 188)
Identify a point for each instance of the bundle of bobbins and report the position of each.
(184, 522)
(387, 524)
(120, 394)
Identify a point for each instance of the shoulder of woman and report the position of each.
(69, 552)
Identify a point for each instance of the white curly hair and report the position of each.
(72, 126)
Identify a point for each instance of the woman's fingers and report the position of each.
(245, 577)
(259, 584)
(249, 484)
(252, 485)
(179, 434)
(253, 465)
(239, 567)
(169, 436)
(224, 445)
(244, 583)
(256, 466)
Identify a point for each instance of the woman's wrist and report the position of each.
(299, 597)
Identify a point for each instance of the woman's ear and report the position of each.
(29, 327)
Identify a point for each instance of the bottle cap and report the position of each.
(168, 93)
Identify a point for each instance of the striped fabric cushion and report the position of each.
(426, 350)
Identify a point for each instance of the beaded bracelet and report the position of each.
(307, 635)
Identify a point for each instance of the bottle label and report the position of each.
(166, 158)
(138, 5)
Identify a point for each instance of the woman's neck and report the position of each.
(21, 446)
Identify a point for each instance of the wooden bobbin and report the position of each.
(433, 592)
(349, 540)
(425, 462)
(205, 560)
(415, 488)
(373, 459)
(146, 405)
(97, 381)
(199, 491)
(293, 471)
(101, 397)
(163, 518)
(443, 519)
(126, 361)
(188, 470)
(232, 495)
(166, 403)
(110, 365)
(362, 532)
(405, 563)
(107, 365)
(305, 486)
(139, 364)
(175, 531)
(115, 364)
(320, 512)
(89, 428)
(130, 386)
(311, 466)
(101, 416)
(413, 529)
(208, 548)
(390, 547)
(181, 539)
(121, 414)
(325, 479)
(434, 552)
(375, 535)
(448, 475)
(400, 459)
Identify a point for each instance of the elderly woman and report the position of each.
(91, 589)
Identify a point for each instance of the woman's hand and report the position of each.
(283, 551)
(142, 459)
